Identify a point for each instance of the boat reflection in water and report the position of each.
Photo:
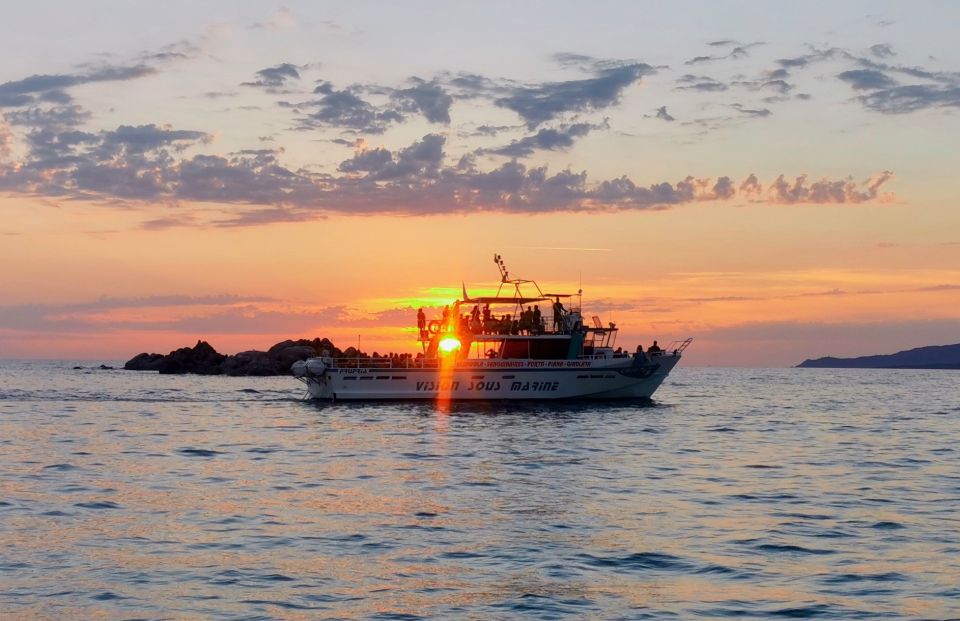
(501, 347)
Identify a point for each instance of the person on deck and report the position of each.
(422, 323)
(654, 350)
(537, 320)
(558, 311)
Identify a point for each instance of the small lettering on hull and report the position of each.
(534, 386)
(430, 386)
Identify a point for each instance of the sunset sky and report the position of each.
(777, 180)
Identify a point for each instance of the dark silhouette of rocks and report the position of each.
(203, 359)
(932, 357)
(144, 362)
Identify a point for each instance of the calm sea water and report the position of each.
(739, 493)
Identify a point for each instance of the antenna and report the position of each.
(504, 274)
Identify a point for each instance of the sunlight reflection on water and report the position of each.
(739, 493)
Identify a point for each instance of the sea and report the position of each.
(736, 493)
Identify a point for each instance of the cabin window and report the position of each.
(536, 349)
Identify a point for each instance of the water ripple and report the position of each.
(758, 494)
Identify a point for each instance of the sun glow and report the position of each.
(448, 344)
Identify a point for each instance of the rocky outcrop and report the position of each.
(144, 362)
(932, 357)
(203, 359)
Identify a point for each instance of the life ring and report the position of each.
(433, 326)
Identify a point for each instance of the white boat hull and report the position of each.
(611, 378)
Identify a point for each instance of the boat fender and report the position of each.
(316, 366)
(433, 327)
(299, 368)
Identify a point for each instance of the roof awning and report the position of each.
(503, 300)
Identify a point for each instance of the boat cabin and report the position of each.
(514, 326)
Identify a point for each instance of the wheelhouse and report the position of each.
(512, 325)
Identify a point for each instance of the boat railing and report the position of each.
(676, 348)
(383, 363)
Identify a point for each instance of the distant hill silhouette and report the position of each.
(932, 357)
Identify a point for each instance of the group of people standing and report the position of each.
(529, 321)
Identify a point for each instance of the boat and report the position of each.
(501, 347)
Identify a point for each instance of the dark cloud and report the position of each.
(86, 316)
(663, 114)
(54, 118)
(753, 112)
(275, 78)
(427, 98)
(539, 103)
(904, 99)
(882, 50)
(146, 164)
(347, 110)
(52, 88)
(738, 50)
(814, 56)
(826, 191)
(690, 82)
(547, 139)
(867, 79)
(420, 160)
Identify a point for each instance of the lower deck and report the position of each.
(496, 380)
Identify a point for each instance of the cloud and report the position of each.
(547, 139)
(940, 89)
(904, 99)
(6, 138)
(663, 114)
(867, 79)
(88, 316)
(814, 56)
(275, 78)
(52, 88)
(539, 103)
(420, 160)
(752, 112)
(51, 118)
(826, 191)
(148, 164)
(346, 109)
(882, 50)
(690, 82)
(427, 98)
(738, 50)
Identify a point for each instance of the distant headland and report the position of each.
(203, 359)
(932, 357)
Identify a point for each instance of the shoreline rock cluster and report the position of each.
(203, 359)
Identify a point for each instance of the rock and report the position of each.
(205, 360)
(201, 359)
(287, 356)
(144, 362)
(253, 362)
(106, 367)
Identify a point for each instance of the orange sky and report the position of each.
(776, 190)
(751, 283)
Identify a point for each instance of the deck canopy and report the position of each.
(503, 300)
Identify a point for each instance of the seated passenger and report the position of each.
(654, 349)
